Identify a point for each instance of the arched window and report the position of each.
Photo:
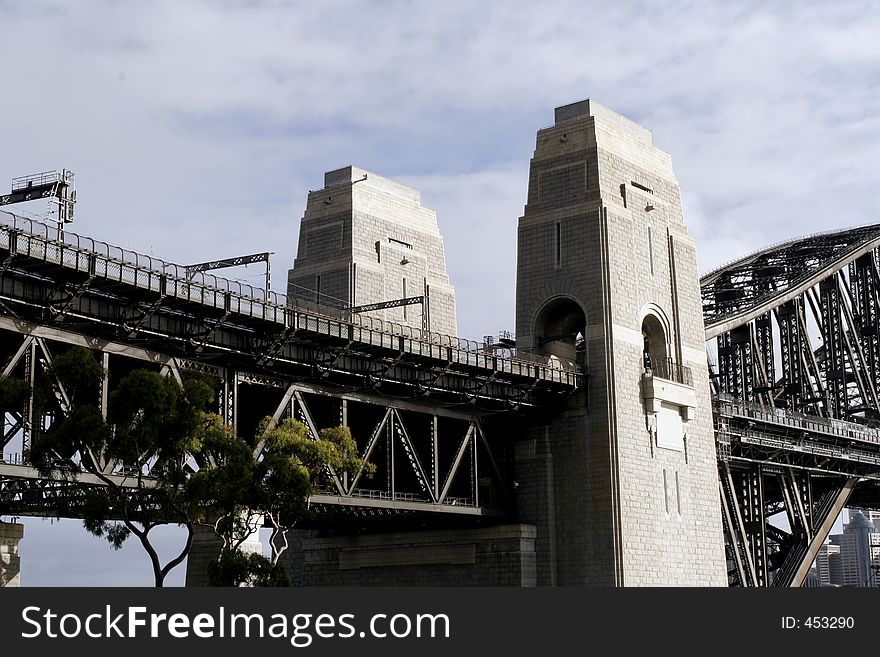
(560, 327)
(655, 352)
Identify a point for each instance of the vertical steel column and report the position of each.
(233, 404)
(435, 458)
(390, 456)
(753, 512)
(790, 350)
(475, 474)
(871, 326)
(228, 402)
(268, 279)
(343, 421)
(833, 363)
(764, 351)
(727, 366)
(860, 390)
(29, 424)
(222, 394)
(740, 362)
(105, 382)
(864, 291)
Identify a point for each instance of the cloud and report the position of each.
(477, 214)
(197, 128)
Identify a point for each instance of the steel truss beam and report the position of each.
(742, 291)
(393, 432)
(775, 461)
(761, 554)
(412, 430)
(828, 335)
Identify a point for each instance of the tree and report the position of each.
(13, 393)
(236, 568)
(293, 465)
(271, 482)
(154, 431)
(163, 458)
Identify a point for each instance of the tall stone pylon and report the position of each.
(623, 488)
(365, 239)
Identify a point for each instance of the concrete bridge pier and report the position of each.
(501, 555)
(10, 559)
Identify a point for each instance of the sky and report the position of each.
(196, 128)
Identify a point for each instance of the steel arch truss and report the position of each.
(805, 340)
(796, 334)
(739, 292)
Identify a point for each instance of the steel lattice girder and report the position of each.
(797, 347)
(444, 462)
(82, 292)
(760, 553)
(751, 286)
(754, 434)
(774, 461)
(825, 308)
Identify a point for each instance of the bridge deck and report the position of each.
(139, 296)
(24, 491)
(750, 432)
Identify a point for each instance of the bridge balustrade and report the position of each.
(851, 431)
(667, 368)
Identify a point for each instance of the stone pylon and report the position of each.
(624, 487)
(366, 239)
(10, 560)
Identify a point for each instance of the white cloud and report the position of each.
(478, 214)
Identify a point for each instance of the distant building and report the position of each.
(812, 581)
(828, 564)
(859, 551)
(853, 557)
(870, 514)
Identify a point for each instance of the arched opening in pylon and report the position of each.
(655, 352)
(560, 328)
